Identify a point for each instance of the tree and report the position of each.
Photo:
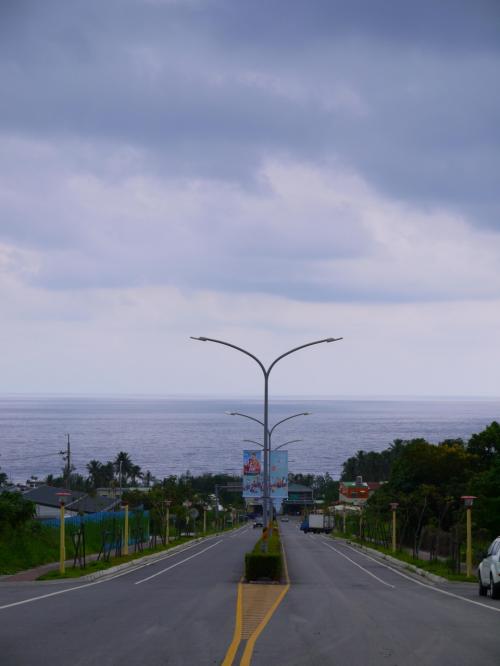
(485, 445)
(95, 469)
(125, 468)
(326, 488)
(372, 465)
(15, 510)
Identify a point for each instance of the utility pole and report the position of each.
(67, 457)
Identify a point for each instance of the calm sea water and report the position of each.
(171, 436)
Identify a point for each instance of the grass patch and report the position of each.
(27, 548)
(36, 544)
(93, 566)
(101, 565)
(436, 567)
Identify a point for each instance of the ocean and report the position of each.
(175, 435)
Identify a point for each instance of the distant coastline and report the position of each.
(173, 434)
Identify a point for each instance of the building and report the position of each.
(47, 504)
(357, 492)
(299, 498)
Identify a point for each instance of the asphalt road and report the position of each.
(344, 608)
(178, 611)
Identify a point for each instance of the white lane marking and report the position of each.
(104, 579)
(172, 566)
(54, 594)
(359, 565)
(429, 587)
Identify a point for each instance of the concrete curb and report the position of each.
(138, 562)
(145, 560)
(398, 564)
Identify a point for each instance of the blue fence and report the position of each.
(100, 517)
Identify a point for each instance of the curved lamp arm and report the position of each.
(292, 441)
(245, 416)
(252, 441)
(202, 338)
(291, 351)
(287, 419)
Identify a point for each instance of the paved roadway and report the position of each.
(344, 608)
(184, 615)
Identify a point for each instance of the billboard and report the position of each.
(253, 479)
(279, 474)
(253, 474)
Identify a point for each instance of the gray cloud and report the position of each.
(173, 78)
(404, 94)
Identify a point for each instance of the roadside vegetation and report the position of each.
(26, 542)
(268, 565)
(427, 481)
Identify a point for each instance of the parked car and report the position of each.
(489, 571)
(284, 519)
(258, 522)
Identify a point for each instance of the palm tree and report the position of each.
(135, 473)
(95, 470)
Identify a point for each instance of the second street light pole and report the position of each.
(266, 373)
(267, 474)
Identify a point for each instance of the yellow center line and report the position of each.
(256, 604)
(247, 654)
(233, 648)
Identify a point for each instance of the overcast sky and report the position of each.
(266, 172)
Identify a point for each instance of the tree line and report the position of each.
(428, 481)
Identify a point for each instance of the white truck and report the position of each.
(317, 522)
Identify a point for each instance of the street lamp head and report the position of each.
(230, 413)
(306, 413)
(200, 338)
(63, 496)
(333, 339)
(468, 500)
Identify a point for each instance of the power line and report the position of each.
(43, 455)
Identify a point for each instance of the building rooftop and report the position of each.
(76, 500)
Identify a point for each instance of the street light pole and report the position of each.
(266, 373)
(63, 495)
(125, 529)
(267, 474)
(167, 526)
(394, 506)
(468, 502)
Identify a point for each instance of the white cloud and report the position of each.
(306, 233)
(137, 341)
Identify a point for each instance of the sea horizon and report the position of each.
(175, 434)
(252, 396)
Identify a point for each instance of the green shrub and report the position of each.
(259, 565)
